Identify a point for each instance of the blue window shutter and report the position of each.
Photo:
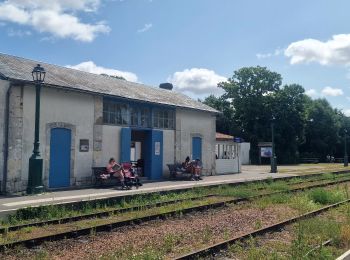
(125, 144)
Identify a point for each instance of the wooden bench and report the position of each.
(309, 160)
(176, 170)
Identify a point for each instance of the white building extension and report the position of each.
(227, 154)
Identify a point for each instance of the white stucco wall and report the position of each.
(191, 123)
(226, 166)
(59, 106)
(110, 143)
(4, 85)
(232, 165)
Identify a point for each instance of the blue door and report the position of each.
(154, 154)
(125, 144)
(196, 148)
(60, 150)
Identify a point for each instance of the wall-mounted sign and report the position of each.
(157, 148)
(266, 152)
(84, 145)
(238, 140)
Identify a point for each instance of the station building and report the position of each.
(87, 118)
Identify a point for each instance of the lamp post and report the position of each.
(273, 156)
(346, 160)
(35, 173)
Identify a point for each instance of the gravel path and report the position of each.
(171, 237)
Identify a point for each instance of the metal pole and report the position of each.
(273, 156)
(346, 160)
(35, 161)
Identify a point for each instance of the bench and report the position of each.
(309, 160)
(98, 172)
(176, 170)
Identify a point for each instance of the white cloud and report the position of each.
(90, 66)
(145, 28)
(311, 93)
(346, 112)
(333, 92)
(333, 51)
(56, 17)
(277, 52)
(197, 81)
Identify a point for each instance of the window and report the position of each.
(145, 117)
(134, 116)
(225, 151)
(115, 113)
(163, 119)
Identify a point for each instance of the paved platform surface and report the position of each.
(10, 204)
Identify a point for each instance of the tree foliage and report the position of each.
(253, 96)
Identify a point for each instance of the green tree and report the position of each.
(288, 105)
(250, 92)
(322, 129)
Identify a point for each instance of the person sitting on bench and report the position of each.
(186, 165)
(196, 169)
(116, 170)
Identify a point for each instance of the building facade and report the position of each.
(85, 119)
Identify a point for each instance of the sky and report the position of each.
(193, 44)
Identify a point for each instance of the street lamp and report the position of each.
(346, 160)
(273, 156)
(35, 173)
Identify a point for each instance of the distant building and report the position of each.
(227, 153)
(88, 118)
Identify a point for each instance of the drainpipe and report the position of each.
(6, 137)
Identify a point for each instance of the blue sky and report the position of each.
(192, 43)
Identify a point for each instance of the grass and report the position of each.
(43, 213)
(325, 197)
(302, 202)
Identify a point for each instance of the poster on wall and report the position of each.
(266, 152)
(157, 148)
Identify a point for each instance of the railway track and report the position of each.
(33, 241)
(110, 212)
(210, 251)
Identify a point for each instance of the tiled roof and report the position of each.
(16, 68)
(223, 137)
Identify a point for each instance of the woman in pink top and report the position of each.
(116, 170)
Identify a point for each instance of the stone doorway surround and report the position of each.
(49, 127)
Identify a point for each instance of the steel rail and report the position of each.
(110, 226)
(100, 214)
(110, 212)
(211, 250)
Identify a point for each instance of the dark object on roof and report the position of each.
(16, 68)
(167, 86)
